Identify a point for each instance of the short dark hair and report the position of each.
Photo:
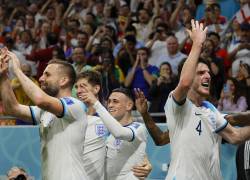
(52, 38)
(94, 78)
(144, 49)
(68, 69)
(206, 62)
(127, 92)
(214, 34)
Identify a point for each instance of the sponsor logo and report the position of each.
(197, 114)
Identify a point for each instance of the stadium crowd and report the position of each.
(136, 44)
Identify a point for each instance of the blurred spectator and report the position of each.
(82, 40)
(160, 89)
(220, 52)
(9, 43)
(112, 76)
(17, 173)
(174, 56)
(141, 75)
(240, 51)
(43, 56)
(243, 78)
(212, 18)
(130, 30)
(145, 22)
(25, 45)
(79, 60)
(41, 36)
(126, 55)
(232, 97)
(157, 44)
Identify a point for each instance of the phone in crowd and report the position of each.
(226, 88)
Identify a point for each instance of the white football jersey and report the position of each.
(194, 140)
(123, 155)
(94, 148)
(62, 140)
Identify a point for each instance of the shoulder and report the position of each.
(72, 102)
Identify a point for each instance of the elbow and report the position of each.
(39, 101)
(185, 84)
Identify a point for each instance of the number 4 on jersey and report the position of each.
(198, 128)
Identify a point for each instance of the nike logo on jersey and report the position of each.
(197, 114)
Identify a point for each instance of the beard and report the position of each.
(50, 90)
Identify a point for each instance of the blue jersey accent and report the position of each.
(209, 105)
(68, 101)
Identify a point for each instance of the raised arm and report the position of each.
(130, 76)
(114, 127)
(198, 36)
(10, 104)
(160, 138)
(37, 95)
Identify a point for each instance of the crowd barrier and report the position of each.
(20, 146)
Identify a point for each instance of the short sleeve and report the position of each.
(217, 119)
(73, 109)
(35, 114)
(139, 131)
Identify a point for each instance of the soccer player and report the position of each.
(62, 118)
(195, 126)
(94, 141)
(243, 153)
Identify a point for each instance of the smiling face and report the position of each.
(83, 84)
(119, 105)
(201, 83)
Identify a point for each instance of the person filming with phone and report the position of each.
(232, 97)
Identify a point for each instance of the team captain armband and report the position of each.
(216, 119)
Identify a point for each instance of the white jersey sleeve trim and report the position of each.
(114, 127)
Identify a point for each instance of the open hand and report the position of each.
(14, 61)
(87, 96)
(198, 32)
(142, 171)
(140, 101)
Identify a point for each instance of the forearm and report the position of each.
(243, 134)
(160, 138)
(10, 103)
(129, 78)
(148, 77)
(239, 119)
(8, 96)
(115, 128)
(30, 88)
(189, 67)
